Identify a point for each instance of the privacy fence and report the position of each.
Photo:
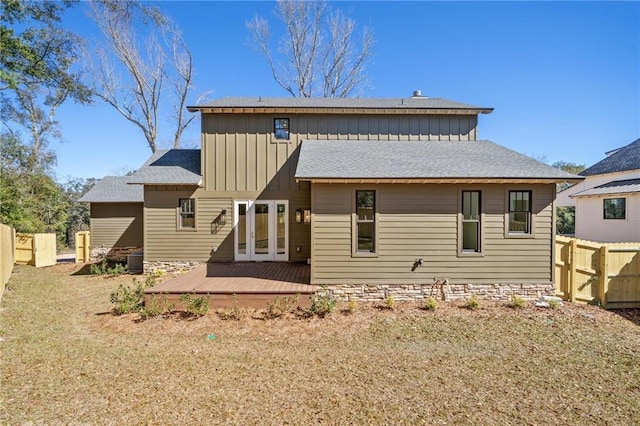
(598, 273)
(7, 254)
(36, 249)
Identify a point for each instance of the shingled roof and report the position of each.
(419, 103)
(625, 158)
(170, 167)
(626, 186)
(114, 189)
(357, 159)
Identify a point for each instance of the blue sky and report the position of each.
(563, 77)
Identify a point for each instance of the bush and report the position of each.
(352, 306)
(430, 304)
(389, 302)
(154, 309)
(128, 298)
(236, 313)
(195, 306)
(517, 302)
(103, 268)
(473, 303)
(554, 304)
(279, 307)
(323, 304)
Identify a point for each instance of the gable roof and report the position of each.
(170, 167)
(113, 189)
(625, 158)
(258, 104)
(414, 160)
(625, 186)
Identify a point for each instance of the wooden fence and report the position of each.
(7, 254)
(83, 246)
(605, 274)
(36, 249)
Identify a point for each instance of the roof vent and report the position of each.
(417, 94)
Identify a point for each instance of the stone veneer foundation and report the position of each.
(446, 291)
(172, 267)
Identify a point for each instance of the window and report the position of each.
(187, 213)
(365, 221)
(614, 208)
(281, 128)
(471, 221)
(519, 212)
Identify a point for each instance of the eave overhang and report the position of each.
(437, 180)
(363, 111)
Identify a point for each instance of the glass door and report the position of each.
(261, 230)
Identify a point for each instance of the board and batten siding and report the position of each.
(116, 225)
(421, 221)
(165, 242)
(239, 152)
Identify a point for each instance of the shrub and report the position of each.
(430, 304)
(352, 306)
(517, 302)
(235, 313)
(195, 306)
(128, 298)
(279, 307)
(323, 304)
(103, 268)
(154, 309)
(554, 304)
(389, 302)
(473, 303)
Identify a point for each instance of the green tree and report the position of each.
(566, 216)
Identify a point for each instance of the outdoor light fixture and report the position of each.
(223, 217)
(307, 216)
(298, 216)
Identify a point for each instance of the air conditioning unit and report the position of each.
(135, 263)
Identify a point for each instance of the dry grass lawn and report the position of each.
(66, 360)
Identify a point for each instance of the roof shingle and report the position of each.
(114, 189)
(625, 158)
(357, 159)
(170, 167)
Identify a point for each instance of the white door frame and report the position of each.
(250, 223)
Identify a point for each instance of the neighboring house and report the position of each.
(372, 192)
(607, 202)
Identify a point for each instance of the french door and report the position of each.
(261, 230)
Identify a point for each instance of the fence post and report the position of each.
(573, 248)
(604, 276)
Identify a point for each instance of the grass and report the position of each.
(67, 359)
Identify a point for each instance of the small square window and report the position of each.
(281, 128)
(187, 213)
(614, 208)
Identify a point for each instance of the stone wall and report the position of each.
(441, 290)
(171, 267)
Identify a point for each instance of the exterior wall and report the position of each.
(421, 221)
(116, 225)
(590, 224)
(564, 197)
(239, 152)
(165, 242)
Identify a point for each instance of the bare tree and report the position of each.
(161, 59)
(318, 44)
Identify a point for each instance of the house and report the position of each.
(115, 217)
(607, 202)
(379, 196)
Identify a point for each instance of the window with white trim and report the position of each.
(365, 221)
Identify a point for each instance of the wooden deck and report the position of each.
(248, 284)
